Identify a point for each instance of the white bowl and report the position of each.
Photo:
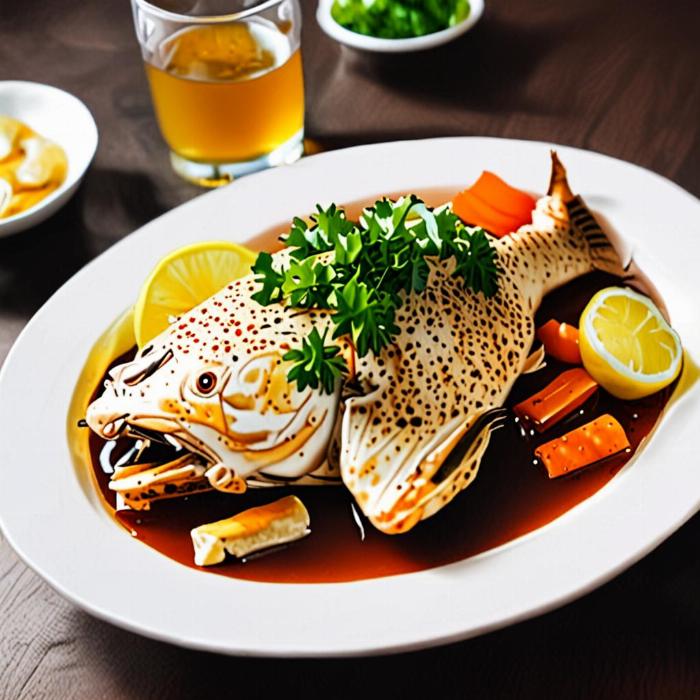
(64, 119)
(377, 45)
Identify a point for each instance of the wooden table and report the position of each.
(616, 77)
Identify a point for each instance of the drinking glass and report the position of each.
(226, 81)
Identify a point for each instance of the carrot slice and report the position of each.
(558, 399)
(582, 447)
(560, 340)
(494, 205)
(472, 210)
(500, 195)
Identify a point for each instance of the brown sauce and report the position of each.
(510, 496)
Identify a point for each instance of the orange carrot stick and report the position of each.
(472, 210)
(582, 447)
(560, 340)
(558, 399)
(500, 195)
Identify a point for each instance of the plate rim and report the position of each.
(359, 648)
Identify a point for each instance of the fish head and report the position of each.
(161, 393)
(230, 405)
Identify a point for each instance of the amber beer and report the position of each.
(228, 93)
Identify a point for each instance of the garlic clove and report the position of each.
(5, 196)
(9, 133)
(44, 162)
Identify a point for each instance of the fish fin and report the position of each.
(459, 468)
(465, 470)
(390, 466)
(558, 182)
(603, 253)
(477, 431)
(375, 447)
(535, 362)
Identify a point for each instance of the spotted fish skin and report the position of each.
(455, 360)
(424, 397)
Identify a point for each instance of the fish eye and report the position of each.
(206, 382)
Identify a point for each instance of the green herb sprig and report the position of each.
(367, 271)
(398, 19)
(316, 363)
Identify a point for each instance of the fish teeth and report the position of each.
(112, 428)
(173, 442)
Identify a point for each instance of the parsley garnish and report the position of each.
(316, 363)
(398, 19)
(270, 279)
(364, 274)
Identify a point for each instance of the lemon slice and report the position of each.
(626, 344)
(185, 278)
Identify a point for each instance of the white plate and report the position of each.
(58, 116)
(59, 528)
(376, 44)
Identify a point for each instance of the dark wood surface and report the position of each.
(616, 77)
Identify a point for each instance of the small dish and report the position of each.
(58, 116)
(377, 45)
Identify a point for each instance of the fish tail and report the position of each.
(602, 252)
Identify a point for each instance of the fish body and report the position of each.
(215, 381)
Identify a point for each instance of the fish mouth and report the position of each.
(159, 465)
(176, 441)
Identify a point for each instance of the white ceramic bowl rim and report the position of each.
(97, 565)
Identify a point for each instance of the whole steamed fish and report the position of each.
(215, 385)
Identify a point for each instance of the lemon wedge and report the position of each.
(626, 344)
(185, 278)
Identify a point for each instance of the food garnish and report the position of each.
(362, 272)
(316, 363)
(586, 445)
(494, 205)
(31, 167)
(183, 279)
(626, 344)
(398, 19)
(557, 400)
(560, 341)
(257, 528)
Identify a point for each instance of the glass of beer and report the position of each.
(226, 81)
